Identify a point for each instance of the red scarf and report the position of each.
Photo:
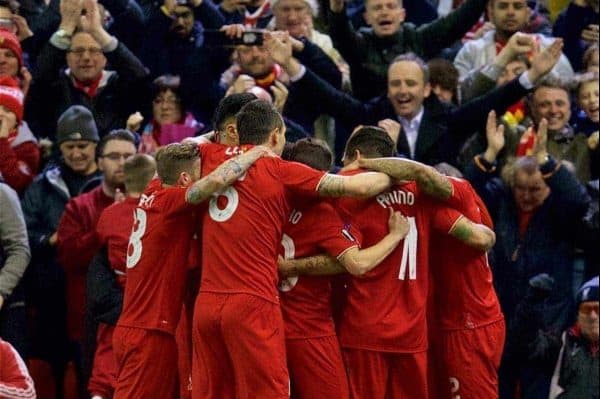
(91, 89)
(250, 20)
(527, 142)
(271, 77)
(576, 331)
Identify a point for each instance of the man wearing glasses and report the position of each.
(77, 241)
(83, 42)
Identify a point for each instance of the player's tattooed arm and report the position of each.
(225, 175)
(318, 265)
(360, 261)
(362, 185)
(475, 235)
(428, 179)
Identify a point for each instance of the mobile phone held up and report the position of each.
(217, 38)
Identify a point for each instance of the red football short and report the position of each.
(470, 360)
(382, 375)
(239, 348)
(146, 364)
(316, 368)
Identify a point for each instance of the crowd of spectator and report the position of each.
(86, 84)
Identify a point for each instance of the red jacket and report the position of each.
(15, 382)
(76, 245)
(19, 159)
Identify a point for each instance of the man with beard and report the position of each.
(175, 45)
(77, 241)
(509, 17)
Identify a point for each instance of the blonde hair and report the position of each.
(173, 159)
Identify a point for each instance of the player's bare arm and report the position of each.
(427, 178)
(363, 185)
(225, 175)
(360, 261)
(318, 265)
(354, 260)
(475, 235)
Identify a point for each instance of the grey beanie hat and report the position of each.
(76, 123)
(588, 291)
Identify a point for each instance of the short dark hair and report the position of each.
(168, 82)
(443, 73)
(412, 57)
(256, 120)
(229, 107)
(173, 159)
(371, 141)
(312, 152)
(118, 134)
(139, 170)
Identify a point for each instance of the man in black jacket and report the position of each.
(431, 131)
(111, 95)
(370, 50)
(536, 214)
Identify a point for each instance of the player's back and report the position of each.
(385, 309)
(462, 269)
(157, 259)
(313, 228)
(243, 226)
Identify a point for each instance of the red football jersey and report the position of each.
(244, 224)
(114, 229)
(385, 309)
(306, 300)
(464, 293)
(157, 259)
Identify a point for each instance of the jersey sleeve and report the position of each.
(174, 200)
(444, 217)
(334, 235)
(300, 178)
(461, 195)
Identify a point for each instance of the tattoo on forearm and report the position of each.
(332, 186)
(319, 265)
(427, 178)
(225, 175)
(462, 232)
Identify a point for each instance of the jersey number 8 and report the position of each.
(134, 250)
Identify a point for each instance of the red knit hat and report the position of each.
(9, 40)
(11, 96)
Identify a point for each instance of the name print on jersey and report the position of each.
(397, 197)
